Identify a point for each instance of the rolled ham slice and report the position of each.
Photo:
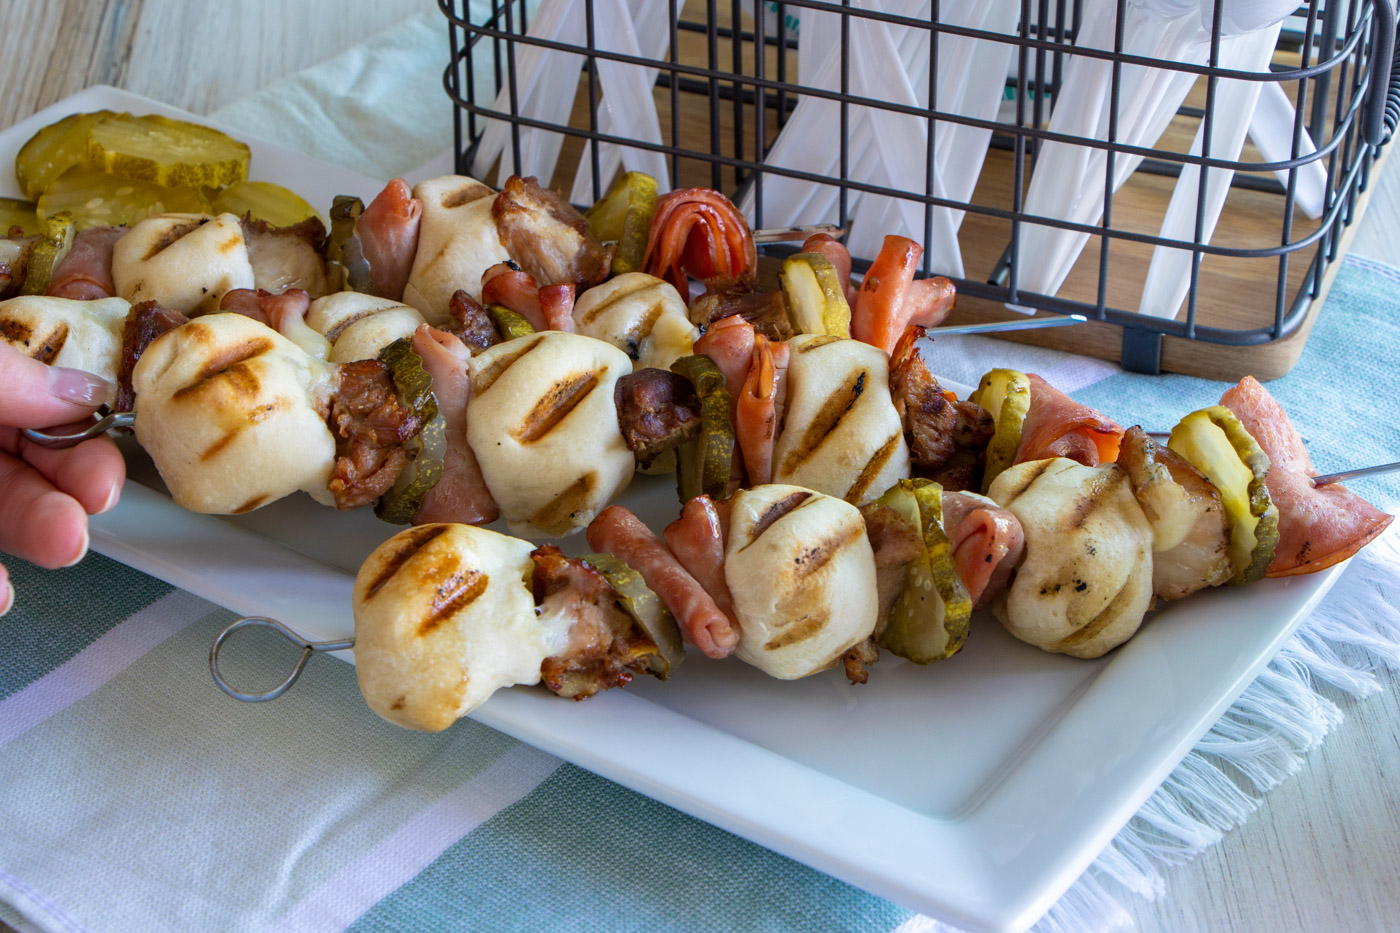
(1318, 526)
(619, 532)
(697, 540)
(504, 284)
(698, 232)
(987, 543)
(460, 495)
(1058, 426)
(388, 231)
(85, 274)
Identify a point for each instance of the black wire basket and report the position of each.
(727, 84)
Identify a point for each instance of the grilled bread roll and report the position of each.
(187, 262)
(801, 572)
(1086, 580)
(234, 414)
(841, 435)
(444, 617)
(543, 424)
(457, 242)
(641, 315)
(360, 325)
(84, 335)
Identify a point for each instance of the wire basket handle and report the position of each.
(1383, 104)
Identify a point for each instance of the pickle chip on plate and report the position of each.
(54, 150)
(15, 212)
(170, 152)
(97, 199)
(262, 200)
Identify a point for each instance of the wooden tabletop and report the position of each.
(1322, 853)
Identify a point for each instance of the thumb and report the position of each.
(33, 395)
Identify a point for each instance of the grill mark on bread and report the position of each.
(483, 380)
(817, 343)
(1094, 496)
(1098, 623)
(775, 511)
(251, 504)
(799, 631)
(333, 334)
(1026, 479)
(229, 362)
(818, 555)
(173, 234)
(404, 546)
(15, 331)
(642, 330)
(619, 295)
(557, 517)
(555, 405)
(826, 420)
(872, 469)
(51, 345)
(452, 596)
(472, 191)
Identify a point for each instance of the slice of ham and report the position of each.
(930, 300)
(836, 253)
(698, 232)
(987, 543)
(728, 343)
(284, 313)
(460, 495)
(697, 540)
(1058, 426)
(388, 231)
(757, 410)
(557, 307)
(85, 274)
(877, 317)
(617, 531)
(506, 285)
(1318, 526)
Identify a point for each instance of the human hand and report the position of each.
(47, 495)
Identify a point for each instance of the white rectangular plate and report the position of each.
(975, 790)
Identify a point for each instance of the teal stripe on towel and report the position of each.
(90, 598)
(582, 853)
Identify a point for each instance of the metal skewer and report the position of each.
(120, 419)
(308, 648)
(997, 326)
(1329, 478)
(798, 233)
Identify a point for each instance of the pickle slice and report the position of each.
(930, 619)
(262, 200)
(17, 213)
(815, 301)
(636, 599)
(44, 258)
(168, 152)
(623, 216)
(703, 462)
(509, 324)
(96, 199)
(344, 245)
(1006, 395)
(1217, 444)
(54, 150)
(427, 450)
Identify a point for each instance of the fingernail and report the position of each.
(82, 551)
(79, 387)
(7, 597)
(112, 498)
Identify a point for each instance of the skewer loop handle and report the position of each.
(308, 648)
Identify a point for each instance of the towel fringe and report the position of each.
(1258, 743)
